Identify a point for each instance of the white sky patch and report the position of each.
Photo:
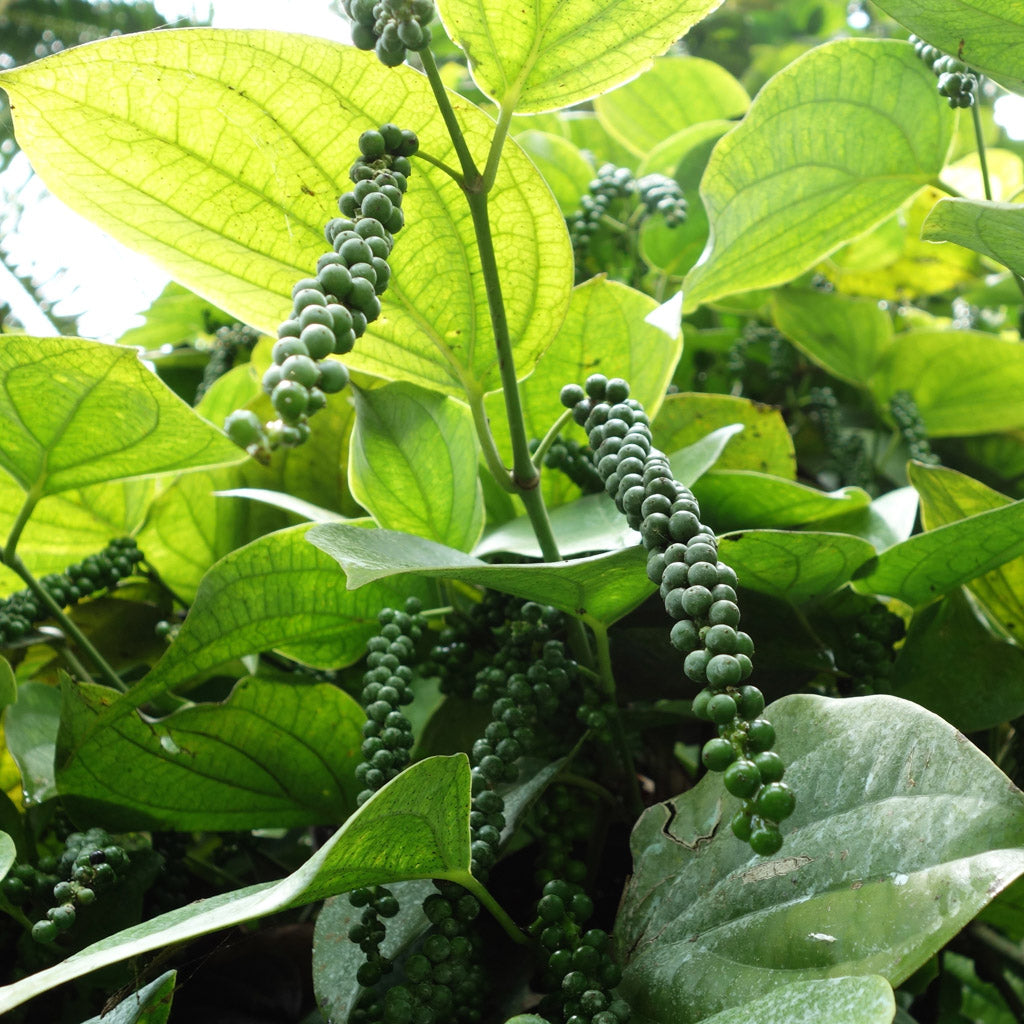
(1008, 112)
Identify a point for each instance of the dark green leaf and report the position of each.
(30, 729)
(151, 1004)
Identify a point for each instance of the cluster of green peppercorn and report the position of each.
(699, 593)
(330, 311)
(390, 27)
(956, 80)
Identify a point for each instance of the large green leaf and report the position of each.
(995, 230)
(151, 1004)
(674, 94)
(220, 154)
(277, 592)
(551, 54)
(831, 146)
(964, 382)
(947, 496)
(844, 335)
(794, 566)
(902, 832)
(955, 665)
(765, 444)
(864, 1000)
(30, 732)
(932, 563)
(602, 587)
(417, 826)
(79, 412)
(987, 34)
(275, 754)
(566, 170)
(414, 464)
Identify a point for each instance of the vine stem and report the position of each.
(490, 450)
(549, 438)
(469, 168)
(479, 890)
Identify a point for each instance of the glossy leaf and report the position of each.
(7, 853)
(414, 464)
(863, 1000)
(565, 169)
(198, 149)
(794, 566)
(964, 382)
(931, 564)
(104, 417)
(602, 587)
(947, 496)
(274, 754)
(417, 826)
(914, 835)
(740, 499)
(30, 731)
(845, 336)
(987, 34)
(674, 94)
(831, 146)
(947, 646)
(888, 520)
(151, 1004)
(995, 230)
(277, 593)
(547, 55)
(764, 445)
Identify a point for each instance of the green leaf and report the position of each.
(274, 754)
(674, 94)
(987, 34)
(887, 521)
(30, 730)
(417, 826)
(8, 853)
(995, 230)
(794, 566)
(608, 329)
(565, 169)
(115, 128)
(8, 684)
(902, 832)
(414, 464)
(276, 593)
(831, 146)
(79, 412)
(765, 444)
(843, 335)
(948, 643)
(593, 523)
(933, 563)
(947, 496)
(151, 1004)
(602, 588)
(175, 317)
(964, 382)
(741, 499)
(865, 1000)
(278, 499)
(549, 54)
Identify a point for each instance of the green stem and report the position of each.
(549, 438)
(604, 662)
(108, 675)
(32, 499)
(497, 145)
(479, 890)
(444, 105)
(447, 168)
(492, 456)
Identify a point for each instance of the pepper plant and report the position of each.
(546, 394)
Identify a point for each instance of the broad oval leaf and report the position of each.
(995, 230)
(602, 588)
(220, 155)
(674, 94)
(566, 170)
(550, 54)
(893, 847)
(864, 1000)
(964, 382)
(987, 34)
(417, 826)
(79, 412)
(274, 754)
(831, 146)
(794, 566)
(31, 725)
(930, 564)
(413, 464)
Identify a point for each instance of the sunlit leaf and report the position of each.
(565, 168)
(995, 230)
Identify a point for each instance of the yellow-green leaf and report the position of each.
(831, 146)
(553, 53)
(995, 230)
(674, 94)
(79, 412)
(221, 154)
